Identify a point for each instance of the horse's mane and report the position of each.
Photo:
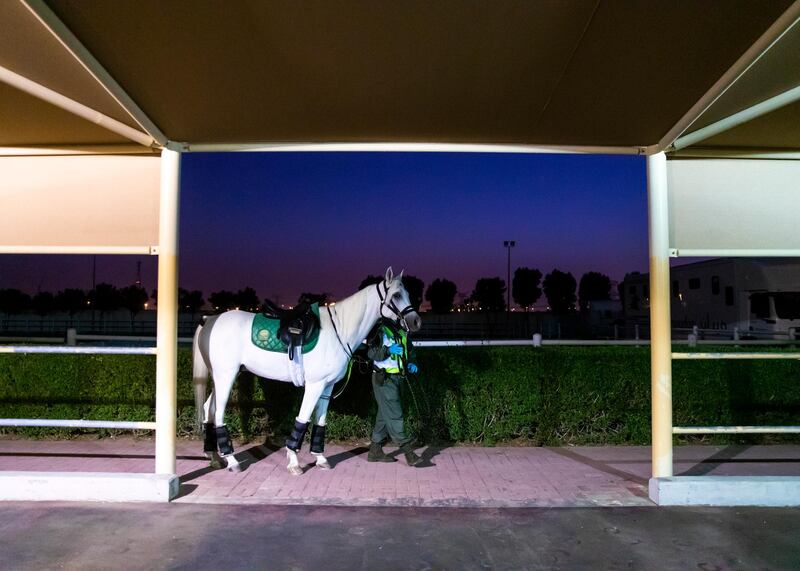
(351, 310)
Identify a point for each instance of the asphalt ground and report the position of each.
(40, 536)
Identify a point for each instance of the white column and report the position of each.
(167, 315)
(660, 320)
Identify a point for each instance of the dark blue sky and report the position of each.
(290, 222)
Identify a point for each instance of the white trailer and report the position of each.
(760, 297)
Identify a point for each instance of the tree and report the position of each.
(489, 294)
(593, 286)
(247, 299)
(71, 301)
(559, 288)
(441, 294)
(105, 297)
(321, 298)
(525, 288)
(369, 280)
(222, 300)
(14, 301)
(133, 299)
(414, 286)
(191, 301)
(43, 303)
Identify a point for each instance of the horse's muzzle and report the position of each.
(413, 321)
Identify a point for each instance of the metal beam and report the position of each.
(728, 123)
(54, 98)
(69, 350)
(167, 315)
(76, 48)
(135, 250)
(736, 430)
(116, 424)
(660, 320)
(688, 356)
(732, 253)
(410, 148)
(768, 39)
(70, 150)
(737, 153)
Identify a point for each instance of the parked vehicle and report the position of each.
(759, 296)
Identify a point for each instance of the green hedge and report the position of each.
(548, 396)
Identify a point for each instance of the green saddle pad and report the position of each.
(264, 334)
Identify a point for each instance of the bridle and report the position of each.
(389, 304)
(385, 302)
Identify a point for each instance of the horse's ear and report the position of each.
(389, 275)
(400, 277)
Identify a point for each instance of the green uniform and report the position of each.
(388, 372)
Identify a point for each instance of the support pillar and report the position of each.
(660, 319)
(167, 313)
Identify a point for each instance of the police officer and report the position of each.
(388, 347)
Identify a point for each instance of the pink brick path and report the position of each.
(457, 476)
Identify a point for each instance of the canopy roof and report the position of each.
(611, 76)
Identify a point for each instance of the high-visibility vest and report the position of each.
(394, 364)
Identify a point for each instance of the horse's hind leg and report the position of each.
(222, 391)
(210, 433)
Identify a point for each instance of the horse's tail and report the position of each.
(199, 376)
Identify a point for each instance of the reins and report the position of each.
(401, 314)
(347, 351)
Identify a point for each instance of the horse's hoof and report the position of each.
(295, 470)
(233, 465)
(323, 464)
(215, 461)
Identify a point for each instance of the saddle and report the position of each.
(297, 327)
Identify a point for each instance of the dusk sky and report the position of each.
(283, 223)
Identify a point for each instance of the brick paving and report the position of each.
(458, 476)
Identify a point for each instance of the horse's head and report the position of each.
(395, 303)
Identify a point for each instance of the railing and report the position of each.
(535, 341)
(694, 355)
(77, 423)
(460, 327)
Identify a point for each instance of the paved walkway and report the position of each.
(456, 476)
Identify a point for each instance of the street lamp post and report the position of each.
(509, 244)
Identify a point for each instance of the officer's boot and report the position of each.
(412, 459)
(376, 453)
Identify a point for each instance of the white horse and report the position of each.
(222, 345)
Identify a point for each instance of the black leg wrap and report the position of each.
(295, 440)
(224, 440)
(318, 439)
(209, 438)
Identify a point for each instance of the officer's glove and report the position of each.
(412, 368)
(396, 349)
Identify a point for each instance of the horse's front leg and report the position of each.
(318, 430)
(295, 440)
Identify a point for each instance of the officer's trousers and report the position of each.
(389, 421)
